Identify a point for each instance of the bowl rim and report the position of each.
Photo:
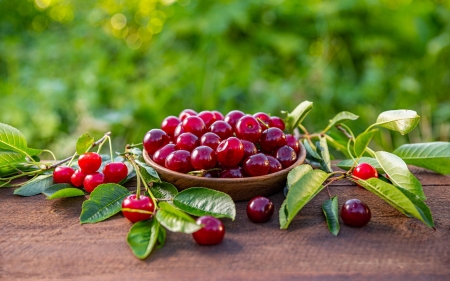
(300, 160)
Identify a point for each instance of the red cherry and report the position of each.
(232, 172)
(161, 154)
(187, 141)
(203, 158)
(62, 174)
(186, 113)
(211, 174)
(260, 209)
(249, 149)
(293, 142)
(274, 164)
(272, 139)
(230, 152)
(355, 213)
(169, 124)
(179, 161)
(256, 165)
(154, 140)
(195, 125)
(211, 233)
(264, 119)
(77, 178)
(210, 139)
(277, 122)
(233, 116)
(365, 171)
(89, 162)
(286, 155)
(248, 128)
(144, 204)
(208, 118)
(92, 181)
(222, 129)
(218, 115)
(115, 172)
(177, 132)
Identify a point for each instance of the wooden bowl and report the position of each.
(240, 189)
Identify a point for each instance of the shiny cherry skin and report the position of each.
(154, 140)
(179, 161)
(272, 139)
(293, 142)
(354, 212)
(230, 152)
(143, 203)
(256, 165)
(260, 209)
(365, 171)
(195, 125)
(187, 141)
(211, 174)
(233, 116)
(177, 132)
(77, 178)
(161, 154)
(217, 115)
(249, 149)
(211, 233)
(115, 172)
(89, 162)
(274, 164)
(186, 113)
(232, 172)
(210, 139)
(248, 128)
(203, 158)
(169, 124)
(286, 155)
(222, 129)
(92, 181)
(263, 118)
(62, 174)
(208, 118)
(277, 122)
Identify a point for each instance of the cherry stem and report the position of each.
(51, 153)
(139, 176)
(263, 123)
(110, 148)
(129, 146)
(333, 180)
(343, 129)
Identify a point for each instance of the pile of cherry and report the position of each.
(235, 146)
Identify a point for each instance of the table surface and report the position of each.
(43, 240)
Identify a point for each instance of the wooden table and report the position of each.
(43, 240)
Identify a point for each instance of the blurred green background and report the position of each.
(69, 67)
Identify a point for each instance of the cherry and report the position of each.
(211, 233)
(177, 132)
(355, 213)
(62, 174)
(230, 152)
(186, 113)
(293, 142)
(217, 115)
(274, 165)
(272, 139)
(249, 149)
(277, 122)
(248, 128)
(179, 161)
(222, 129)
(187, 141)
(161, 154)
(154, 140)
(210, 139)
(263, 119)
(195, 125)
(203, 158)
(233, 116)
(89, 162)
(169, 124)
(93, 180)
(208, 118)
(115, 172)
(256, 165)
(143, 203)
(365, 171)
(286, 155)
(211, 174)
(77, 178)
(260, 209)
(232, 172)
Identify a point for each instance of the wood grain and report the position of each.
(43, 240)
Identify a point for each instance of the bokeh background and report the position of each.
(69, 67)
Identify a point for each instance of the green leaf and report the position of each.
(10, 158)
(348, 163)
(161, 237)
(331, 210)
(200, 201)
(362, 141)
(175, 220)
(322, 148)
(283, 215)
(311, 154)
(104, 202)
(84, 143)
(66, 192)
(295, 174)
(142, 237)
(297, 115)
(164, 190)
(341, 117)
(403, 121)
(35, 186)
(399, 198)
(434, 156)
(12, 139)
(398, 173)
(149, 174)
(302, 191)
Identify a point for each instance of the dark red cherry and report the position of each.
(248, 128)
(208, 118)
(233, 116)
(169, 124)
(161, 154)
(256, 165)
(179, 161)
(275, 165)
(263, 118)
(355, 213)
(154, 140)
(249, 149)
(286, 155)
(232, 172)
(272, 139)
(218, 115)
(138, 209)
(260, 209)
(293, 142)
(115, 172)
(195, 125)
(89, 162)
(230, 152)
(92, 181)
(277, 122)
(211, 233)
(177, 132)
(222, 129)
(62, 174)
(203, 158)
(187, 141)
(210, 139)
(77, 178)
(186, 113)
